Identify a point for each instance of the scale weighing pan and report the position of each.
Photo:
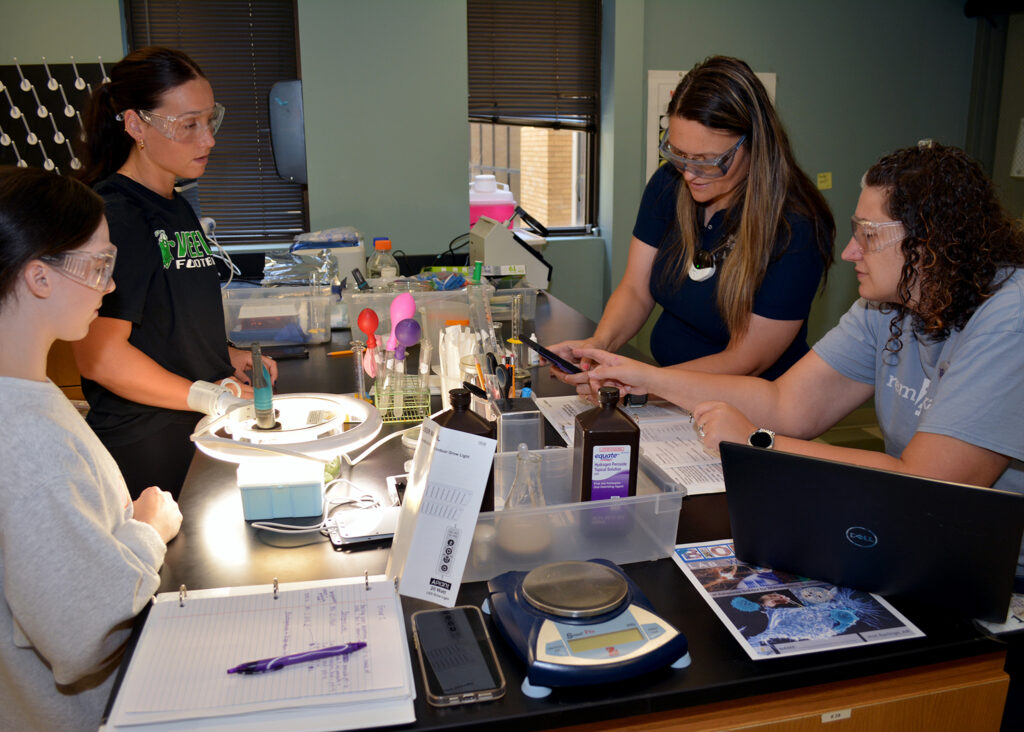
(578, 623)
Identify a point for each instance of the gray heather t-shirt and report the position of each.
(969, 386)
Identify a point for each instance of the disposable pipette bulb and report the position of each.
(263, 396)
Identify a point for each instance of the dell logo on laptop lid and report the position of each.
(859, 536)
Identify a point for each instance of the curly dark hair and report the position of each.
(959, 244)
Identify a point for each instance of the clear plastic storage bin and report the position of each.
(434, 308)
(501, 303)
(623, 530)
(276, 315)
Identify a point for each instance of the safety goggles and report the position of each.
(185, 127)
(712, 168)
(874, 237)
(92, 269)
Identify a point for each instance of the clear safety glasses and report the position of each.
(92, 269)
(874, 237)
(712, 168)
(185, 127)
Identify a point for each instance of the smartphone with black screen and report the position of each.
(281, 353)
(456, 656)
(560, 363)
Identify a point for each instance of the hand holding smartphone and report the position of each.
(456, 656)
(560, 363)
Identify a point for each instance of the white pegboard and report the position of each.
(41, 111)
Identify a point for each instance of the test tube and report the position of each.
(516, 340)
(426, 352)
(358, 349)
(263, 400)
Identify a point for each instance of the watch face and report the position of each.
(761, 438)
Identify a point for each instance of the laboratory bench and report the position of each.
(951, 678)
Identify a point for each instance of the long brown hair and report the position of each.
(722, 93)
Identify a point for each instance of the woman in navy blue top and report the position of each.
(732, 239)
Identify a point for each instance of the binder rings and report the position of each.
(177, 677)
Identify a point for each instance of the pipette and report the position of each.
(402, 308)
(407, 333)
(367, 323)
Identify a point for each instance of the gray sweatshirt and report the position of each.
(75, 566)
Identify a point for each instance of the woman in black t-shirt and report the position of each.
(162, 330)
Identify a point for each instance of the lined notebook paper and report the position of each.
(178, 673)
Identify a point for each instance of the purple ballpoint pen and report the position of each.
(273, 664)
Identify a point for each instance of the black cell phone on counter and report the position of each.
(281, 353)
(560, 363)
(456, 656)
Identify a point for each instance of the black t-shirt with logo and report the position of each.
(168, 289)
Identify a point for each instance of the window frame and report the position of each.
(538, 63)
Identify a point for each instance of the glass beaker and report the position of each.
(526, 490)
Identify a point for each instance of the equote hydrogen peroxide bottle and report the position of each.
(606, 451)
(382, 263)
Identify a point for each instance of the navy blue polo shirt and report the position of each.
(691, 326)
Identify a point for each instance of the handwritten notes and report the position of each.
(179, 670)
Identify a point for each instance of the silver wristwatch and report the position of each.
(762, 437)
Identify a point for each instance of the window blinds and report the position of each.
(535, 62)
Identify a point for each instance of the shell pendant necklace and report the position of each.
(705, 263)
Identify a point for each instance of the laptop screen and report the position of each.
(875, 530)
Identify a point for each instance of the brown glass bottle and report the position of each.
(606, 450)
(460, 417)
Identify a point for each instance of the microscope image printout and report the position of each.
(439, 513)
(773, 613)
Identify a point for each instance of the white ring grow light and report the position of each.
(312, 426)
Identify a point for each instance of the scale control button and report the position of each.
(556, 648)
(653, 630)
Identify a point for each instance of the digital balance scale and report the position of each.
(577, 623)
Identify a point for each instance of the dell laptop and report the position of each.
(875, 530)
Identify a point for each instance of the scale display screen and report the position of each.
(617, 638)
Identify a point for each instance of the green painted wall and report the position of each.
(387, 137)
(58, 29)
(1011, 112)
(621, 164)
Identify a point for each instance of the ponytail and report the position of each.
(105, 144)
